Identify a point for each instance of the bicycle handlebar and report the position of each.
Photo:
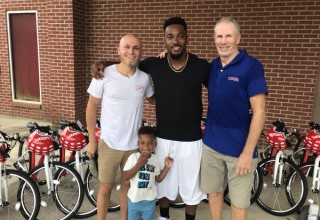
(4, 137)
(314, 126)
(5, 146)
(75, 125)
(280, 126)
(45, 129)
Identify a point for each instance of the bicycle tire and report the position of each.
(88, 208)
(92, 187)
(67, 194)
(307, 169)
(63, 173)
(274, 198)
(25, 161)
(256, 188)
(24, 196)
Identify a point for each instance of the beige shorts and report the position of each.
(109, 161)
(218, 170)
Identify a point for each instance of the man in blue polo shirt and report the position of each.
(236, 85)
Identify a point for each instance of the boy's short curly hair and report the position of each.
(147, 130)
(174, 20)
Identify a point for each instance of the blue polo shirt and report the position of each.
(229, 90)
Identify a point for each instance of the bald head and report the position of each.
(130, 38)
(130, 50)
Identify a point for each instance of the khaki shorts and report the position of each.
(218, 170)
(109, 161)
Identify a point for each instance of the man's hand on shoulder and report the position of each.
(97, 69)
(162, 54)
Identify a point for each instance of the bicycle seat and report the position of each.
(72, 140)
(40, 144)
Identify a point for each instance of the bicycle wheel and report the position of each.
(307, 169)
(88, 208)
(24, 196)
(23, 148)
(273, 197)
(256, 188)
(92, 187)
(178, 203)
(67, 195)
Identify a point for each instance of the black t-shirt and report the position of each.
(178, 97)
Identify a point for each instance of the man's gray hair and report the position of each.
(230, 20)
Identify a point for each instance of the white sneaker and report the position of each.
(163, 218)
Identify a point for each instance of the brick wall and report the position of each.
(61, 59)
(80, 75)
(56, 54)
(283, 34)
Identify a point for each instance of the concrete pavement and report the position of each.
(11, 125)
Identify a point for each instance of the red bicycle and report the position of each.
(60, 185)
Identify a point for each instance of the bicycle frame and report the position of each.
(277, 142)
(316, 176)
(3, 185)
(278, 168)
(316, 158)
(77, 155)
(5, 194)
(48, 171)
(5, 149)
(42, 159)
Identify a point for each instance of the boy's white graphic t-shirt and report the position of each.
(142, 185)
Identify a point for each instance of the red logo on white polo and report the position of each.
(140, 88)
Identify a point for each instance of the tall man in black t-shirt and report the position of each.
(178, 81)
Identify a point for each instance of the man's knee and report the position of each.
(215, 195)
(235, 206)
(163, 202)
(105, 189)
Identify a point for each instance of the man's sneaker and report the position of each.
(163, 218)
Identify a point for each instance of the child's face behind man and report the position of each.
(146, 144)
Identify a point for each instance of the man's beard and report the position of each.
(131, 63)
(176, 56)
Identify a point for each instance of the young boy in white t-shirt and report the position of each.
(142, 169)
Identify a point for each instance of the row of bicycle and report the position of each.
(51, 178)
(287, 178)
